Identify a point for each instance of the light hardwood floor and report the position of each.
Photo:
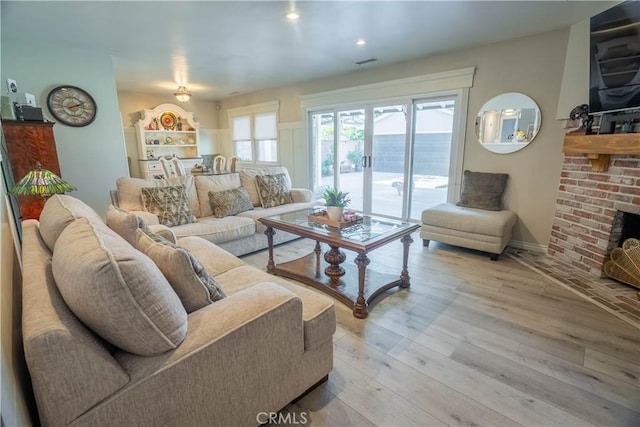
(473, 342)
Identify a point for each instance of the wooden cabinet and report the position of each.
(28, 143)
(166, 130)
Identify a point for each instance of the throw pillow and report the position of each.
(170, 204)
(190, 280)
(273, 190)
(229, 202)
(483, 190)
(116, 290)
(124, 223)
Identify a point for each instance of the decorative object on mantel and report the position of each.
(624, 265)
(41, 182)
(182, 94)
(582, 112)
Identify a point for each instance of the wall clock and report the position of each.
(72, 106)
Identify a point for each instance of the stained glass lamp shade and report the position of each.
(41, 182)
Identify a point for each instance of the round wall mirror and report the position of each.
(508, 123)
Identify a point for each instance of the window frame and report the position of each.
(251, 111)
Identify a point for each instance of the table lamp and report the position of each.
(41, 182)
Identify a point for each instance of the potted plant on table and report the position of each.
(335, 201)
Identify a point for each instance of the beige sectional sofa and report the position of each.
(239, 234)
(108, 342)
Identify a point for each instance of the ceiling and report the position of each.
(221, 48)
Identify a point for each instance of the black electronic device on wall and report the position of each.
(615, 59)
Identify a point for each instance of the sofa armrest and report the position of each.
(164, 231)
(301, 195)
(242, 355)
(147, 217)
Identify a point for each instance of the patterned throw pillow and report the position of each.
(273, 190)
(170, 204)
(186, 275)
(229, 202)
(483, 190)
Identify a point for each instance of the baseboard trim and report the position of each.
(528, 246)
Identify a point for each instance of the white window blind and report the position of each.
(241, 128)
(255, 132)
(265, 126)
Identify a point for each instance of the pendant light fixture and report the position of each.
(183, 94)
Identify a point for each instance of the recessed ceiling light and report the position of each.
(292, 15)
(361, 42)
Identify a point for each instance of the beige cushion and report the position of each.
(229, 202)
(248, 180)
(117, 291)
(483, 190)
(193, 284)
(127, 223)
(215, 259)
(58, 212)
(124, 223)
(217, 230)
(206, 184)
(169, 204)
(318, 314)
(273, 190)
(471, 220)
(130, 191)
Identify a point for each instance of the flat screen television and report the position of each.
(614, 76)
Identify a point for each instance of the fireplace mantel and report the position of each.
(598, 148)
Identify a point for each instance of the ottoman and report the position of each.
(472, 228)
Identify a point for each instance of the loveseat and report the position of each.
(110, 339)
(239, 233)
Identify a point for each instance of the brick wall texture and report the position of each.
(589, 209)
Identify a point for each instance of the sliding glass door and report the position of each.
(394, 159)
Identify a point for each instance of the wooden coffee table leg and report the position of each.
(334, 257)
(360, 308)
(317, 250)
(405, 280)
(271, 266)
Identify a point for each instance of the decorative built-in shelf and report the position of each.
(599, 148)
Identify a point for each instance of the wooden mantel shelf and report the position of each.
(598, 148)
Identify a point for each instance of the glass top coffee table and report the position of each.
(354, 286)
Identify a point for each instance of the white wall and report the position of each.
(92, 157)
(531, 65)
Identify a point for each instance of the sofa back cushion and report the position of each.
(193, 284)
(214, 183)
(60, 211)
(65, 358)
(248, 180)
(117, 291)
(130, 191)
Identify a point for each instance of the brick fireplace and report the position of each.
(590, 208)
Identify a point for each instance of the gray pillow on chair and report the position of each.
(483, 190)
